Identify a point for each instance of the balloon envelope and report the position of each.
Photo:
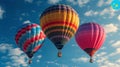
(90, 37)
(59, 23)
(29, 38)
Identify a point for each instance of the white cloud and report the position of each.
(102, 48)
(39, 56)
(115, 53)
(109, 28)
(103, 2)
(55, 63)
(18, 60)
(1, 12)
(108, 11)
(118, 17)
(29, 1)
(81, 3)
(103, 60)
(16, 56)
(118, 61)
(91, 13)
(5, 47)
(108, 63)
(101, 54)
(27, 21)
(100, 60)
(105, 13)
(116, 44)
(81, 59)
(15, 51)
(53, 1)
(100, 3)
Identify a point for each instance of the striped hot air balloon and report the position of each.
(30, 38)
(59, 23)
(90, 37)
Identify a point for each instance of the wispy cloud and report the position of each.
(5, 47)
(27, 21)
(1, 12)
(116, 44)
(109, 28)
(29, 1)
(103, 2)
(15, 52)
(81, 3)
(80, 59)
(56, 64)
(38, 58)
(91, 13)
(104, 60)
(16, 56)
(118, 17)
(53, 1)
(108, 63)
(106, 12)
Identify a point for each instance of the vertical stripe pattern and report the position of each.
(90, 37)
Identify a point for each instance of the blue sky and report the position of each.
(13, 13)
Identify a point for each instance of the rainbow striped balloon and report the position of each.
(29, 38)
(59, 23)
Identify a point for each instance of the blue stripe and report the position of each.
(27, 35)
(30, 48)
(38, 32)
(36, 43)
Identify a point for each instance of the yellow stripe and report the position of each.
(59, 16)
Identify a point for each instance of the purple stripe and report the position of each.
(66, 37)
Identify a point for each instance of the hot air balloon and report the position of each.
(29, 38)
(59, 23)
(90, 37)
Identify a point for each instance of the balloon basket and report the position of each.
(59, 54)
(91, 60)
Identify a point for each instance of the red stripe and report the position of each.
(60, 22)
(37, 48)
(23, 30)
(33, 39)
